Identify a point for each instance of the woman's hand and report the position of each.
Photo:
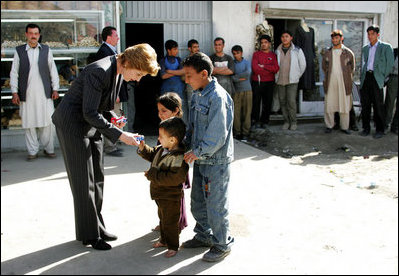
(129, 138)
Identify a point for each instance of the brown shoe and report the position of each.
(32, 157)
(49, 155)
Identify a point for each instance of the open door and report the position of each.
(147, 90)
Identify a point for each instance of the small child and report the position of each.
(167, 173)
(169, 105)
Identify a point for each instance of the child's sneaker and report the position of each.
(215, 254)
(194, 243)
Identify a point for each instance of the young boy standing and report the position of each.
(167, 173)
(171, 71)
(242, 96)
(210, 135)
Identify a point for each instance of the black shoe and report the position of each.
(116, 153)
(214, 254)
(354, 128)
(238, 137)
(194, 243)
(98, 244)
(394, 130)
(108, 236)
(364, 133)
(328, 130)
(346, 131)
(378, 135)
(245, 138)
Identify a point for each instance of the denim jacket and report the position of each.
(209, 132)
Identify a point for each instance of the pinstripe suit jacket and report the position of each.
(91, 95)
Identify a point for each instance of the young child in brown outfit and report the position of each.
(167, 173)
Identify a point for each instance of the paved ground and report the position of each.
(286, 217)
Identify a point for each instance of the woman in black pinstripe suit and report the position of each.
(80, 119)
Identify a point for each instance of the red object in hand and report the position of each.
(119, 120)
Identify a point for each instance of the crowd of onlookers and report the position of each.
(252, 84)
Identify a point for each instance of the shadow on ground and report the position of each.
(135, 257)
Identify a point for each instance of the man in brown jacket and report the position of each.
(338, 66)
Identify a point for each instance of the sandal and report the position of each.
(158, 245)
(170, 253)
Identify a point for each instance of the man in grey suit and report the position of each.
(80, 124)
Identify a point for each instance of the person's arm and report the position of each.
(92, 93)
(175, 176)
(324, 63)
(353, 63)
(175, 72)
(273, 67)
(14, 75)
(256, 68)
(390, 60)
(55, 82)
(146, 152)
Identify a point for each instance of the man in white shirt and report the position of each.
(34, 85)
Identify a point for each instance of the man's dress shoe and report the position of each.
(98, 244)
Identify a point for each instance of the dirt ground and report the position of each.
(364, 162)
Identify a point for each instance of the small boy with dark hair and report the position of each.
(210, 136)
(243, 95)
(167, 173)
(172, 72)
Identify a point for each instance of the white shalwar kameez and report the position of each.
(336, 99)
(36, 111)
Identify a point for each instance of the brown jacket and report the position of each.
(167, 173)
(347, 65)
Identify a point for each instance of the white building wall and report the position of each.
(235, 21)
(390, 32)
(337, 6)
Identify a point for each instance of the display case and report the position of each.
(72, 30)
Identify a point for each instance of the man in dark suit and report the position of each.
(81, 125)
(108, 48)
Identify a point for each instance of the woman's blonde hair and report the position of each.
(141, 57)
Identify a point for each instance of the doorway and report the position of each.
(147, 90)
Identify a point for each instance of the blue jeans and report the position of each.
(209, 204)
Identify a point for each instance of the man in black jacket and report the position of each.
(108, 48)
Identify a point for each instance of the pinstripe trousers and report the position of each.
(84, 162)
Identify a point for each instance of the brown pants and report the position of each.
(242, 112)
(169, 214)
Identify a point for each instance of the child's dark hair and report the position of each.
(236, 48)
(171, 101)
(199, 61)
(175, 127)
(170, 44)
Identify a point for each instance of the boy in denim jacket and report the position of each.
(210, 137)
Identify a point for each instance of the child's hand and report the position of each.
(141, 146)
(145, 173)
(190, 157)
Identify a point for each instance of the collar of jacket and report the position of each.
(343, 48)
(210, 87)
(28, 46)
